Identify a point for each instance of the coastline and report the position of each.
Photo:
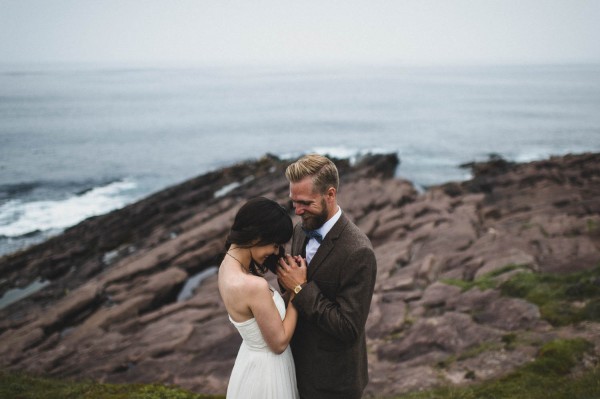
(115, 278)
(434, 118)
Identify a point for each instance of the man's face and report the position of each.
(309, 205)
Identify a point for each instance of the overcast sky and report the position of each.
(300, 32)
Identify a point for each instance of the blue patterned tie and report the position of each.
(313, 234)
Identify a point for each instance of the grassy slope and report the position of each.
(548, 377)
(20, 386)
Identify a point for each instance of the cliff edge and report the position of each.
(121, 304)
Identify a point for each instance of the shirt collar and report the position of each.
(330, 223)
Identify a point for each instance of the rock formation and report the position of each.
(113, 310)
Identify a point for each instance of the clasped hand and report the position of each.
(292, 271)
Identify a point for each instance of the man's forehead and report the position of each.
(302, 190)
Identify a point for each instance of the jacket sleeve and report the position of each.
(344, 317)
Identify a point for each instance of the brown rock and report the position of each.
(111, 314)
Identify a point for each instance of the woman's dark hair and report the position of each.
(260, 221)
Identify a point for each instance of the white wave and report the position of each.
(533, 155)
(18, 218)
(341, 152)
(352, 154)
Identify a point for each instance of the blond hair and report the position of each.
(322, 170)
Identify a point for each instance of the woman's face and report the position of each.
(261, 252)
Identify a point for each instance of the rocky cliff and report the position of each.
(119, 306)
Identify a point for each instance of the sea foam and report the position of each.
(18, 218)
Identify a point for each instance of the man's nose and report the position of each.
(299, 210)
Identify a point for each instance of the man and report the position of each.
(334, 292)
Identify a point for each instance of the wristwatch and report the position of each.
(298, 288)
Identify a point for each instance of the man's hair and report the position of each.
(322, 170)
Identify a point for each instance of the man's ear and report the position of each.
(331, 193)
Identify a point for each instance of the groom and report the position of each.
(333, 294)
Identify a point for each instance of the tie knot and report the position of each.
(314, 234)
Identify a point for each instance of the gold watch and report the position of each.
(297, 289)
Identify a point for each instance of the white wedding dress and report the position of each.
(259, 373)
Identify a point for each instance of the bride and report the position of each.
(264, 367)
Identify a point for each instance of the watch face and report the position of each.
(297, 289)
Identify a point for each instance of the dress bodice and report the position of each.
(259, 373)
(250, 331)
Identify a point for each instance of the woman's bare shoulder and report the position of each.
(256, 283)
(247, 283)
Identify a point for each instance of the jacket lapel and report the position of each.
(327, 245)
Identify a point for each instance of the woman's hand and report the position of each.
(292, 272)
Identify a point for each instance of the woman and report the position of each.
(264, 367)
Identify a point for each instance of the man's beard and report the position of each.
(316, 221)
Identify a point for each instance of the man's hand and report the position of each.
(292, 271)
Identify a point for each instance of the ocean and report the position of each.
(81, 140)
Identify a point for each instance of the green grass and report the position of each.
(562, 299)
(547, 377)
(470, 353)
(21, 386)
(485, 282)
(593, 227)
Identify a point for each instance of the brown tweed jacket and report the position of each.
(329, 344)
